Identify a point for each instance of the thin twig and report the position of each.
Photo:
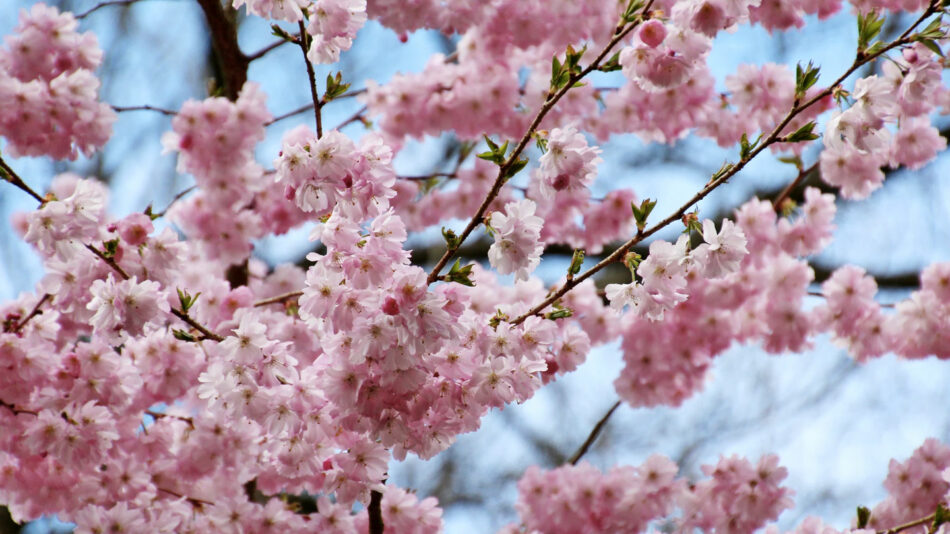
(802, 174)
(905, 526)
(191, 500)
(594, 433)
(307, 107)
(278, 298)
(11, 176)
(101, 5)
(176, 199)
(33, 313)
(145, 107)
(423, 177)
(552, 99)
(317, 104)
(109, 261)
(159, 415)
(267, 49)
(15, 410)
(358, 116)
(721, 177)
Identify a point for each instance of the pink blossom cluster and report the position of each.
(568, 163)
(237, 202)
(667, 356)
(737, 497)
(49, 102)
(321, 173)
(332, 27)
(858, 141)
(517, 247)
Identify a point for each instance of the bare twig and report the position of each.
(101, 5)
(33, 313)
(594, 433)
(175, 199)
(802, 174)
(11, 176)
(144, 107)
(191, 500)
(278, 298)
(160, 415)
(267, 49)
(905, 526)
(317, 103)
(15, 410)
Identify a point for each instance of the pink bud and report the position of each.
(652, 33)
(910, 55)
(390, 306)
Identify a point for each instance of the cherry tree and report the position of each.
(162, 378)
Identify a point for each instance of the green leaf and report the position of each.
(805, 78)
(335, 87)
(110, 248)
(725, 169)
(869, 26)
(642, 212)
(576, 261)
(515, 168)
(931, 45)
(792, 160)
(805, 133)
(611, 64)
(630, 13)
(941, 516)
(277, 31)
(864, 516)
(460, 275)
(183, 336)
(451, 239)
(562, 313)
(186, 300)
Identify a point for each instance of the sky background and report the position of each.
(834, 424)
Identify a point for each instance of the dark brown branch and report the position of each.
(109, 261)
(317, 103)
(375, 511)
(159, 415)
(267, 49)
(14, 409)
(233, 63)
(11, 176)
(594, 433)
(278, 298)
(33, 313)
(198, 503)
(101, 5)
(175, 199)
(549, 103)
(802, 175)
(144, 107)
(358, 116)
(905, 526)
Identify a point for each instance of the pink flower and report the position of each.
(723, 252)
(126, 306)
(569, 163)
(517, 231)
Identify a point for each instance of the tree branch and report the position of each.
(375, 511)
(549, 103)
(232, 61)
(317, 103)
(11, 176)
(594, 433)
